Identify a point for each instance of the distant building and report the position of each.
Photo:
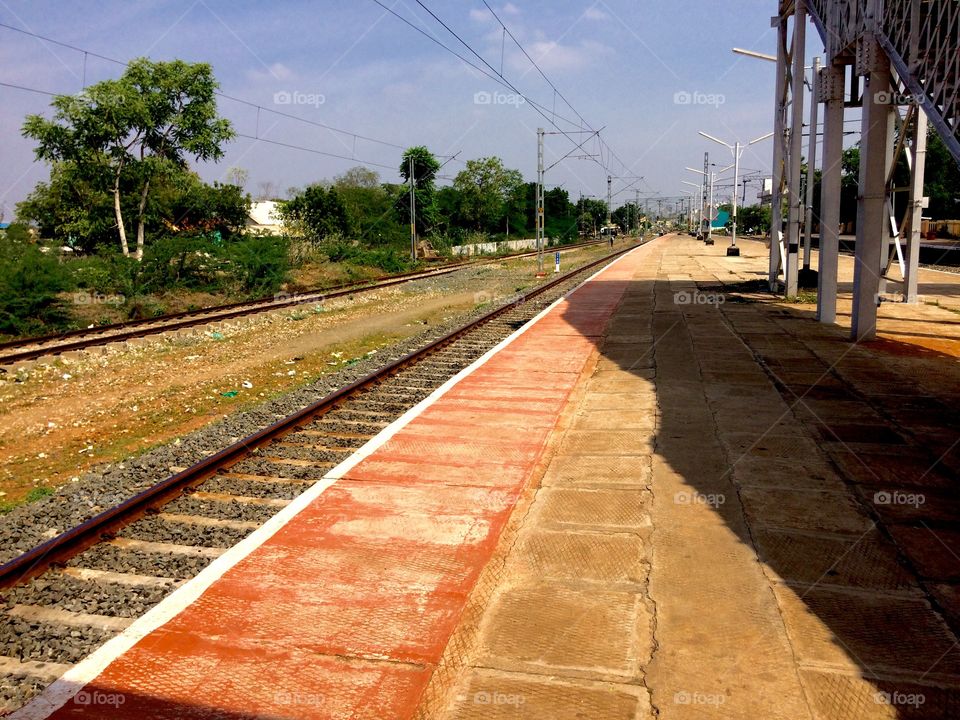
(723, 217)
(263, 217)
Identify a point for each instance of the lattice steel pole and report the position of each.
(795, 203)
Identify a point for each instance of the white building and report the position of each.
(263, 216)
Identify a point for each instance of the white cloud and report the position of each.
(480, 15)
(510, 9)
(595, 13)
(276, 71)
(553, 56)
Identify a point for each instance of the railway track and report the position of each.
(17, 351)
(64, 598)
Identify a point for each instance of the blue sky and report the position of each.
(625, 65)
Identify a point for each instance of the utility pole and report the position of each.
(708, 175)
(811, 163)
(413, 214)
(705, 221)
(539, 218)
(733, 250)
(636, 211)
(609, 196)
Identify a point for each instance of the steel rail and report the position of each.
(105, 524)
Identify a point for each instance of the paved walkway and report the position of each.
(671, 497)
(746, 517)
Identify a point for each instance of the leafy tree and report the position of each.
(369, 206)
(941, 180)
(626, 216)
(425, 167)
(753, 219)
(317, 212)
(358, 177)
(485, 188)
(134, 130)
(595, 210)
(73, 207)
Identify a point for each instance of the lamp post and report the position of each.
(737, 150)
(689, 201)
(699, 196)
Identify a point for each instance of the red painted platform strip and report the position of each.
(345, 610)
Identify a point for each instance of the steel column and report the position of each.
(811, 162)
(779, 128)
(833, 78)
(794, 201)
(915, 210)
(876, 134)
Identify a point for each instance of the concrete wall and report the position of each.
(494, 247)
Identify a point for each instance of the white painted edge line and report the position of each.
(62, 690)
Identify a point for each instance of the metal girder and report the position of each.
(921, 39)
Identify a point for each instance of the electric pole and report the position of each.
(539, 218)
(413, 214)
(707, 201)
(609, 196)
(636, 211)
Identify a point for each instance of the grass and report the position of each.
(37, 493)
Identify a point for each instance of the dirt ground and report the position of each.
(61, 419)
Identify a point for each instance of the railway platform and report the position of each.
(667, 496)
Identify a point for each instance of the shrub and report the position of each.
(257, 265)
(30, 283)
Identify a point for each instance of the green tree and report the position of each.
(485, 188)
(753, 219)
(369, 206)
(133, 130)
(193, 206)
(594, 210)
(425, 167)
(73, 207)
(941, 180)
(318, 213)
(626, 216)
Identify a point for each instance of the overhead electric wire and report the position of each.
(217, 92)
(316, 152)
(240, 135)
(601, 141)
(554, 86)
(498, 77)
(534, 63)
